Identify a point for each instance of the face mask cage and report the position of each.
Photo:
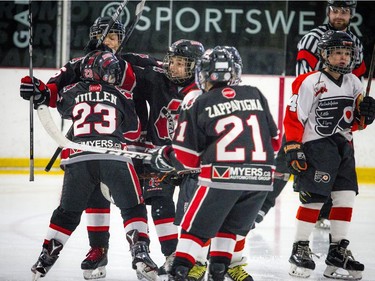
(188, 69)
(96, 31)
(339, 68)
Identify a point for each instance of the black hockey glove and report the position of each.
(172, 178)
(160, 160)
(367, 109)
(91, 46)
(295, 157)
(39, 91)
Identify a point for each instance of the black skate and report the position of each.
(93, 265)
(47, 259)
(180, 274)
(142, 262)
(216, 272)
(166, 267)
(340, 259)
(301, 262)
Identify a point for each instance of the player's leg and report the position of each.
(64, 220)
(98, 221)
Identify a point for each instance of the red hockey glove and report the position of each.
(39, 91)
(160, 160)
(367, 109)
(295, 157)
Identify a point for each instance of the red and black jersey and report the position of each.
(103, 115)
(228, 132)
(164, 101)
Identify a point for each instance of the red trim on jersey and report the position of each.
(136, 182)
(307, 215)
(360, 70)
(60, 229)
(189, 160)
(193, 207)
(97, 211)
(293, 127)
(129, 80)
(133, 135)
(341, 214)
(311, 59)
(53, 97)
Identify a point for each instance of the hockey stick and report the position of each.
(51, 128)
(367, 93)
(57, 152)
(111, 22)
(31, 176)
(131, 26)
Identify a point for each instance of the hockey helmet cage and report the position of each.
(101, 66)
(101, 23)
(332, 40)
(215, 66)
(189, 51)
(237, 70)
(343, 4)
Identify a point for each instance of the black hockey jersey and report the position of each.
(103, 115)
(227, 132)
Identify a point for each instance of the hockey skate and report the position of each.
(301, 262)
(198, 272)
(236, 271)
(47, 259)
(180, 274)
(143, 264)
(216, 272)
(166, 267)
(341, 263)
(93, 265)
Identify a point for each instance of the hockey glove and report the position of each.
(295, 157)
(367, 109)
(91, 46)
(160, 160)
(39, 91)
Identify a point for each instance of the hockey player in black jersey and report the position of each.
(102, 113)
(213, 134)
(339, 14)
(98, 207)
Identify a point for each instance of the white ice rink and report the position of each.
(26, 207)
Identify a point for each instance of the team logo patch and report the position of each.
(228, 93)
(322, 177)
(320, 88)
(245, 173)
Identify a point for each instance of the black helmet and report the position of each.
(237, 65)
(190, 51)
(100, 25)
(215, 66)
(101, 66)
(332, 40)
(343, 4)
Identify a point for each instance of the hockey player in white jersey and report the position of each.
(326, 106)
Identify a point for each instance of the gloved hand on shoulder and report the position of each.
(295, 157)
(38, 90)
(367, 109)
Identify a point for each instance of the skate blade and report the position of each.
(334, 272)
(96, 273)
(145, 273)
(299, 271)
(36, 276)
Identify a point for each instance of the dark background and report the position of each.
(269, 47)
